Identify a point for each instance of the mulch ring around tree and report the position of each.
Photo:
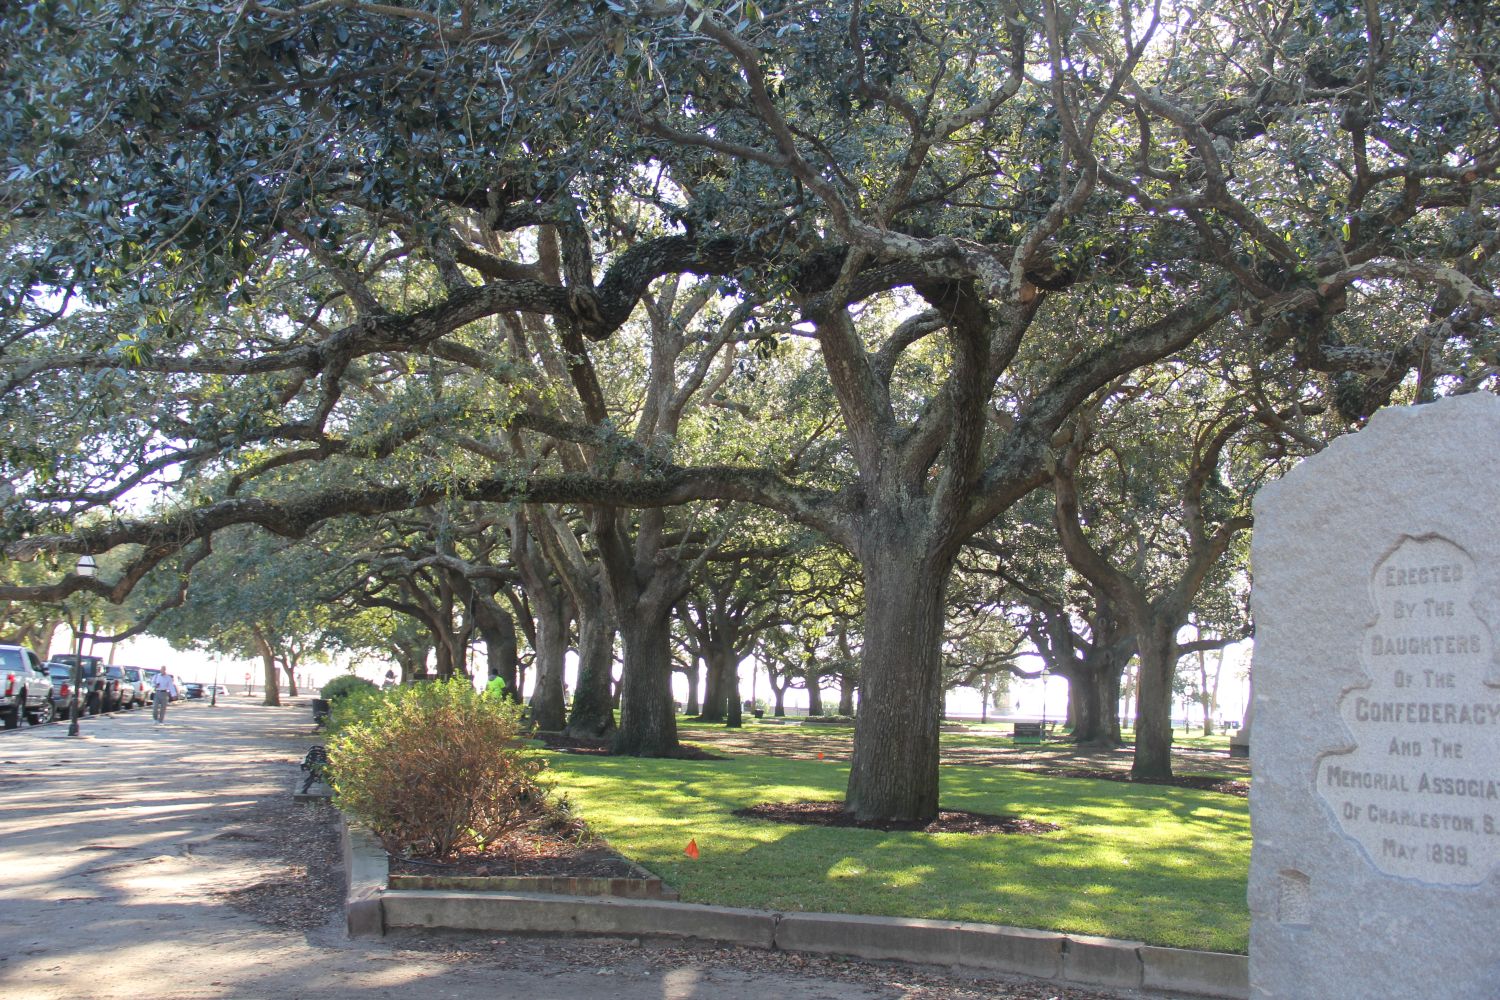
(1201, 782)
(948, 820)
(601, 746)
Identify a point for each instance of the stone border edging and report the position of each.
(372, 909)
(641, 885)
(366, 869)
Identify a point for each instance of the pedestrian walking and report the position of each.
(166, 690)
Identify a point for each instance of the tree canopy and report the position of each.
(286, 263)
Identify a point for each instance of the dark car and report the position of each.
(192, 689)
(62, 687)
(99, 692)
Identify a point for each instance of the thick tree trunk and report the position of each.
(547, 698)
(779, 711)
(846, 693)
(1094, 695)
(1083, 703)
(729, 687)
(42, 641)
(498, 628)
(291, 679)
(814, 694)
(713, 707)
(443, 661)
(692, 683)
(1109, 700)
(894, 774)
(648, 716)
(1209, 691)
(273, 681)
(1153, 715)
(413, 663)
(692, 690)
(271, 672)
(593, 711)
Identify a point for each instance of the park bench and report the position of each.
(316, 766)
(1026, 732)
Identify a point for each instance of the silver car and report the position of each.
(25, 688)
(142, 679)
(128, 694)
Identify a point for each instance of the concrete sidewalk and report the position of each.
(116, 846)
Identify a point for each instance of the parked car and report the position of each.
(100, 692)
(144, 685)
(62, 688)
(127, 692)
(192, 689)
(25, 688)
(149, 677)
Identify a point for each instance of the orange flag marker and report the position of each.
(820, 755)
(692, 849)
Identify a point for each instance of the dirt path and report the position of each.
(169, 863)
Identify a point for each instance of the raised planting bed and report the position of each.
(534, 862)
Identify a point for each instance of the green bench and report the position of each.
(1026, 732)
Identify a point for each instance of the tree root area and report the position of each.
(603, 747)
(948, 820)
(1201, 782)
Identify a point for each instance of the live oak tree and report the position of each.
(255, 597)
(734, 598)
(552, 616)
(277, 236)
(1167, 499)
(446, 568)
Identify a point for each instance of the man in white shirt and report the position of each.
(166, 690)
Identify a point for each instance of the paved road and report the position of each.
(118, 848)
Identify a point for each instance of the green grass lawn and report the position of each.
(1157, 864)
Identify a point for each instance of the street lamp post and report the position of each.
(86, 568)
(1044, 704)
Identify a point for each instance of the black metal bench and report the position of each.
(316, 766)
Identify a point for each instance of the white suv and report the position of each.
(25, 688)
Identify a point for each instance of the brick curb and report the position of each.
(373, 909)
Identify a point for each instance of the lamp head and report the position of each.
(87, 566)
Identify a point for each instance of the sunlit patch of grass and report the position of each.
(1152, 863)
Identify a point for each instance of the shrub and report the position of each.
(356, 706)
(435, 769)
(343, 685)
